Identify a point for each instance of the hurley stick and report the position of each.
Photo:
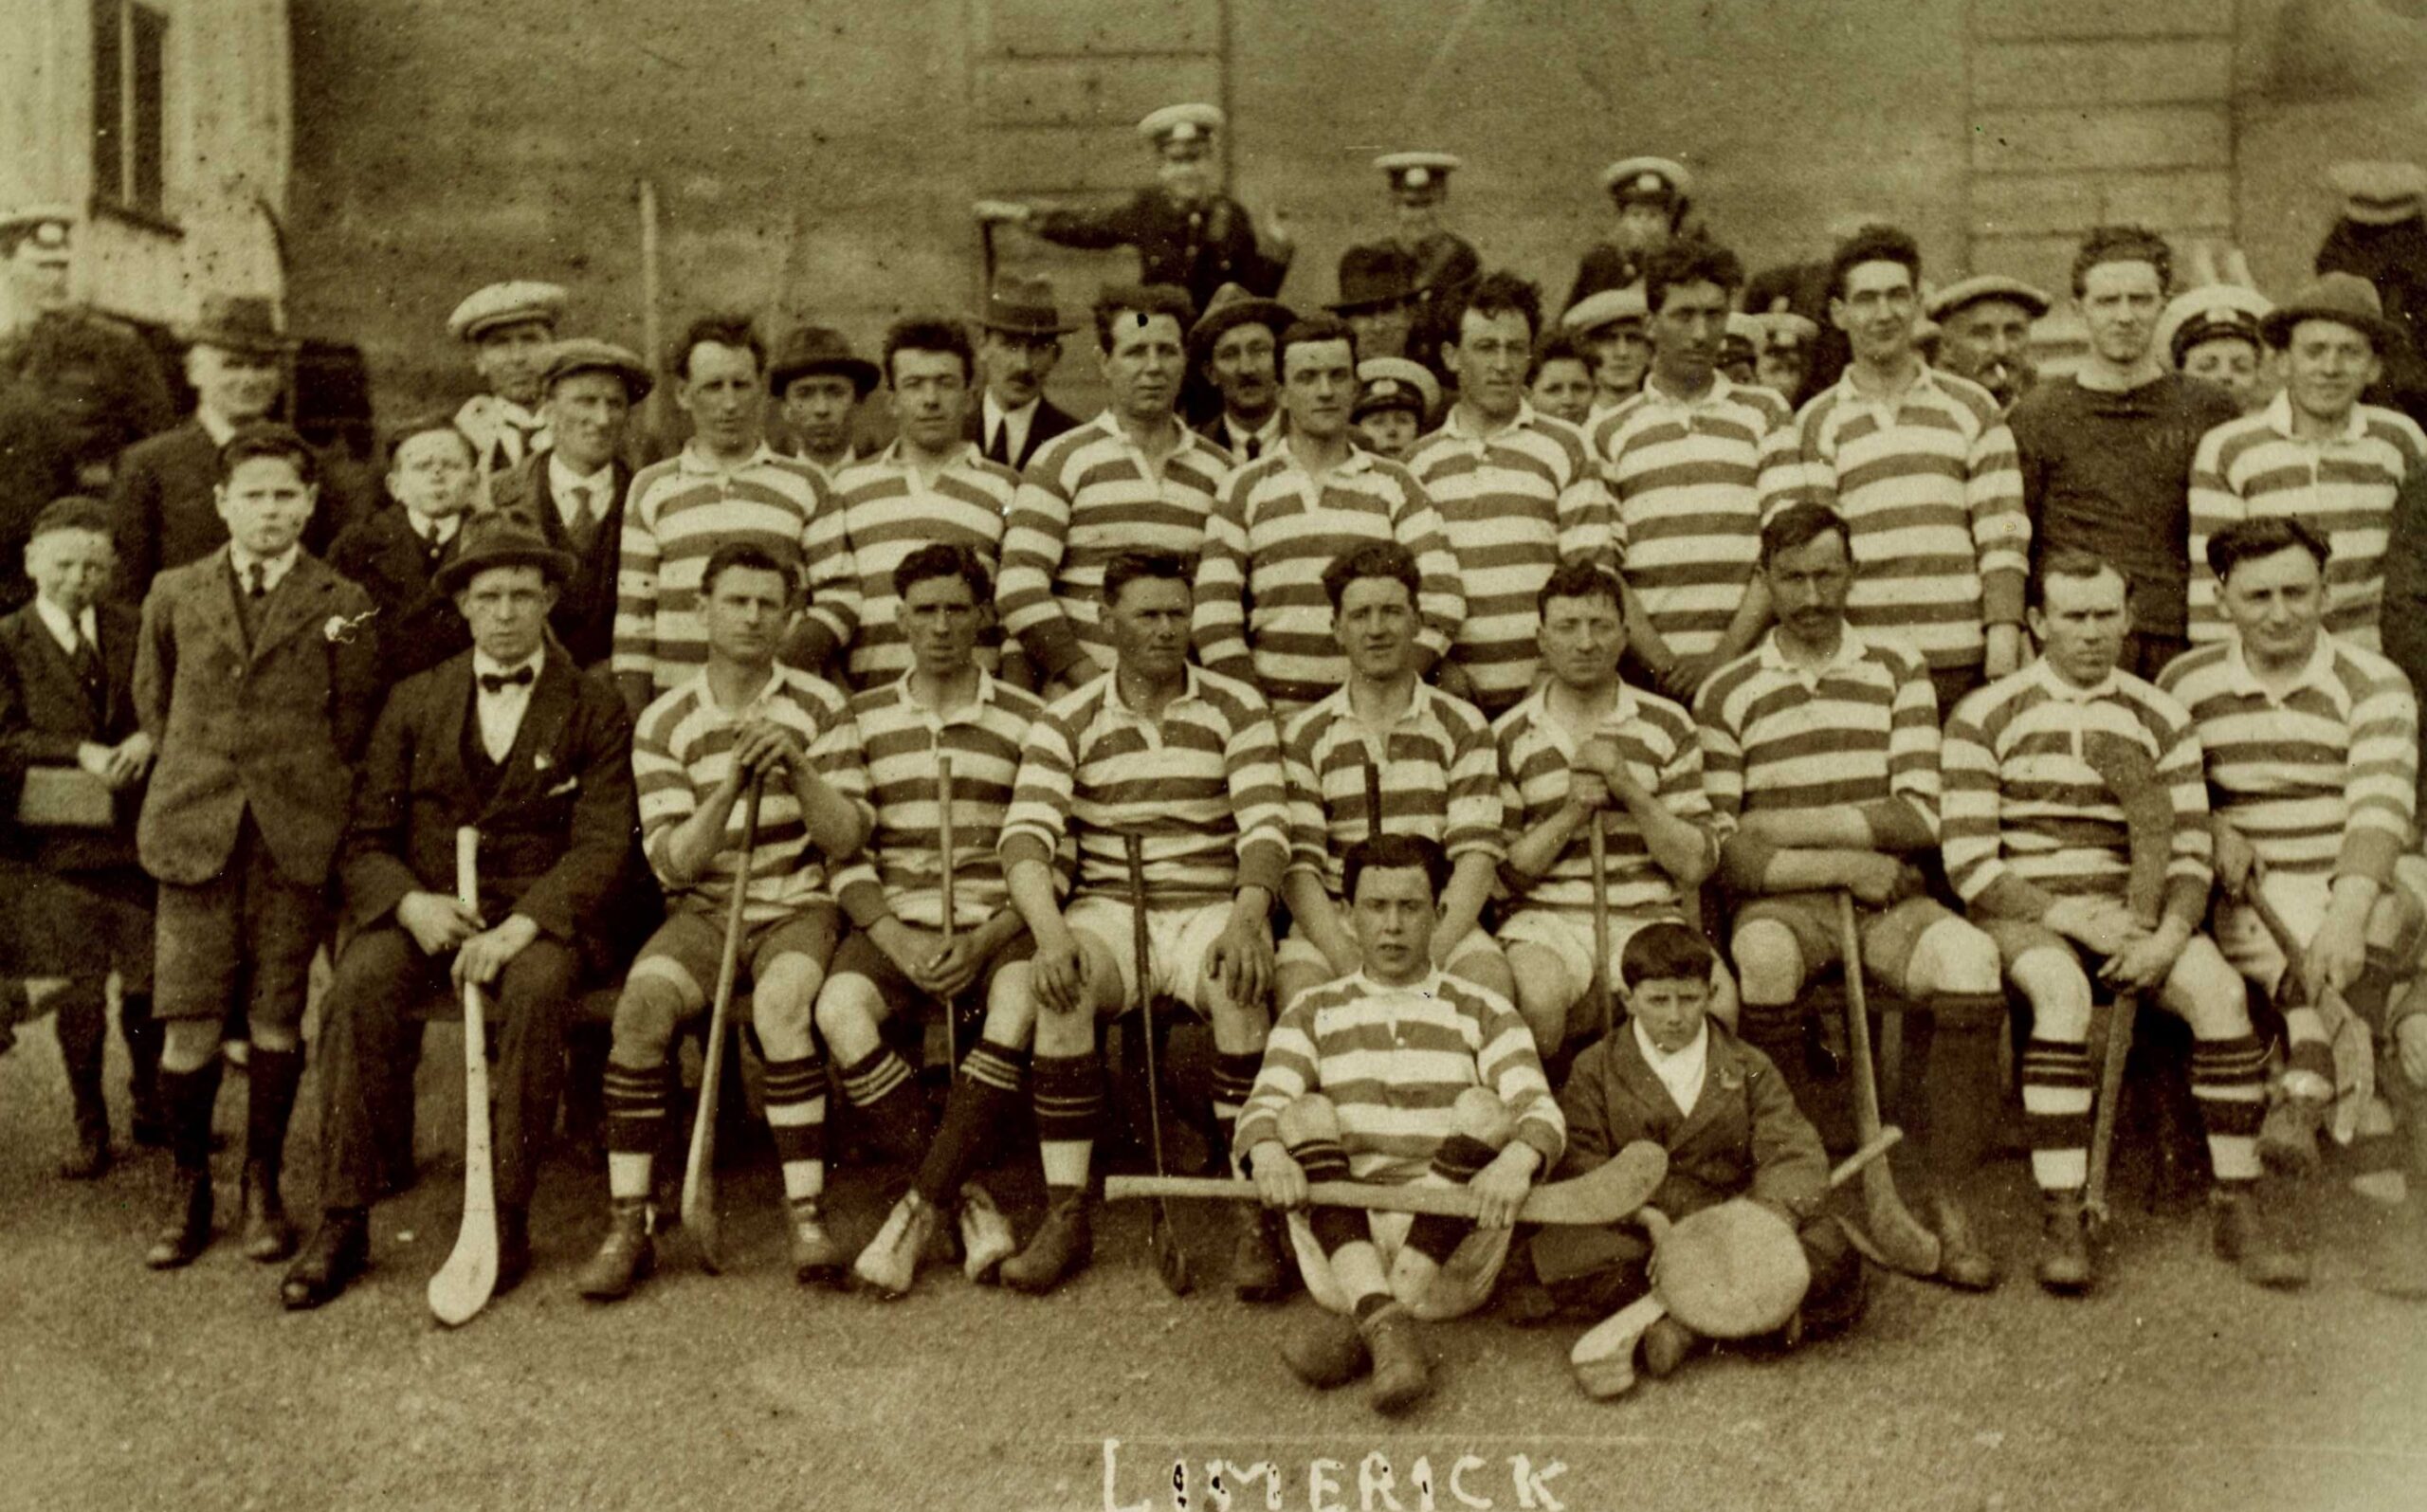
(1897, 1234)
(1171, 1261)
(464, 1284)
(700, 1168)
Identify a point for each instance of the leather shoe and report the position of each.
(187, 1233)
(1402, 1376)
(815, 1254)
(336, 1252)
(1962, 1263)
(2064, 1246)
(2244, 1235)
(624, 1256)
(1666, 1345)
(2288, 1137)
(1259, 1272)
(986, 1237)
(1061, 1247)
(889, 1265)
(268, 1237)
(89, 1160)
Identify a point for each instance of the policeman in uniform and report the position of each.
(1186, 231)
(1445, 262)
(510, 328)
(94, 373)
(1650, 196)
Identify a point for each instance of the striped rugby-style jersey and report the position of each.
(1087, 495)
(2321, 778)
(1861, 730)
(1513, 504)
(898, 744)
(1435, 769)
(1393, 1061)
(2024, 818)
(1657, 739)
(1262, 615)
(678, 513)
(682, 749)
(1933, 494)
(882, 512)
(2343, 487)
(1686, 477)
(1202, 788)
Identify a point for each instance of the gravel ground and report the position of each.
(2175, 1387)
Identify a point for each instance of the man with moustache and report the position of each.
(1132, 479)
(573, 493)
(2105, 452)
(1019, 341)
(1984, 332)
(1232, 351)
(509, 327)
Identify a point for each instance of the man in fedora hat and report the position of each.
(509, 327)
(1377, 299)
(1232, 352)
(511, 739)
(820, 384)
(160, 500)
(1185, 229)
(1985, 323)
(1019, 339)
(572, 494)
(396, 555)
(53, 342)
(2316, 453)
(1649, 196)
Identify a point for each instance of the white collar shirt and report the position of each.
(500, 710)
(1681, 1071)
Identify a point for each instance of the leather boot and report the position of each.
(1402, 1375)
(270, 1103)
(2288, 1137)
(2246, 1234)
(1962, 1261)
(1061, 1247)
(1260, 1268)
(336, 1252)
(986, 1237)
(2064, 1246)
(513, 1249)
(186, 1232)
(190, 1095)
(624, 1256)
(815, 1254)
(1667, 1344)
(268, 1236)
(82, 1021)
(889, 1265)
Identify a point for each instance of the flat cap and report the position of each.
(71, 512)
(43, 225)
(1987, 286)
(2380, 193)
(1787, 330)
(1417, 170)
(507, 303)
(1608, 307)
(1231, 307)
(1395, 383)
(1180, 123)
(1648, 178)
(589, 355)
(2210, 312)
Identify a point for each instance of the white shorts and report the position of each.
(1177, 941)
(2301, 898)
(1568, 939)
(1459, 1286)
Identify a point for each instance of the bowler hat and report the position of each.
(1020, 306)
(589, 355)
(501, 540)
(2346, 298)
(1374, 277)
(1231, 307)
(238, 322)
(812, 349)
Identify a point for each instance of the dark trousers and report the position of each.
(1834, 1304)
(372, 1013)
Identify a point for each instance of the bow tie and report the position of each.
(500, 681)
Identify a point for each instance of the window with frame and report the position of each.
(130, 138)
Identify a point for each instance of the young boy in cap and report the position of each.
(509, 327)
(1612, 325)
(397, 554)
(257, 679)
(1782, 361)
(820, 384)
(1395, 401)
(1680, 1078)
(83, 905)
(2212, 332)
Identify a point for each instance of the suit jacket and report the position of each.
(584, 618)
(555, 831)
(418, 627)
(1050, 421)
(1745, 1138)
(46, 715)
(163, 515)
(1199, 247)
(273, 727)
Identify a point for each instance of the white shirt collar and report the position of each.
(424, 528)
(1682, 1072)
(562, 480)
(66, 632)
(1851, 646)
(2316, 672)
(994, 413)
(1236, 437)
(2057, 686)
(274, 569)
(217, 427)
(2279, 419)
(484, 665)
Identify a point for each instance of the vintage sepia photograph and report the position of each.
(1212, 755)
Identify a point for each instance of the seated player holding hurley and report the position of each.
(1182, 763)
(2037, 843)
(694, 751)
(514, 739)
(946, 708)
(1683, 1080)
(1397, 1073)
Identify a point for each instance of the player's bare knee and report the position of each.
(2207, 993)
(1769, 965)
(647, 1015)
(1954, 957)
(1480, 1115)
(2059, 995)
(1308, 1118)
(849, 1008)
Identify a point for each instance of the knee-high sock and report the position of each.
(1067, 1094)
(1434, 1235)
(1233, 1080)
(190, 1095)
(270, 1105)
(880, 1085)
(1963, 1096)
(79, 1015)
(2056, 1094)
(982, 1096)
(637, 1104)
(1327, 1160)
(794, 1095)
(141, 1032)
(2229, 1082)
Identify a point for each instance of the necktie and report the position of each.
(997, 436)
(500, 681)
(87, 659)
(1253, 447)
(256, 580)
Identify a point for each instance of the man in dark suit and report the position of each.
(572, 494)
(161, 497)
(514, 739)
(257, 677)
(1018, 342)
(81, 904)
(397, 554)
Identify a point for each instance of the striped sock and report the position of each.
(874, 1077)
(636, 1104)
(2308, 1060)
(1233, 1080)
(875, 1086)
(2229, 1082)
(1436, 1235)
(2056, 1094)
(1067, 1094)
(794, 1095)
(1327, 1160)
(991, 1080)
